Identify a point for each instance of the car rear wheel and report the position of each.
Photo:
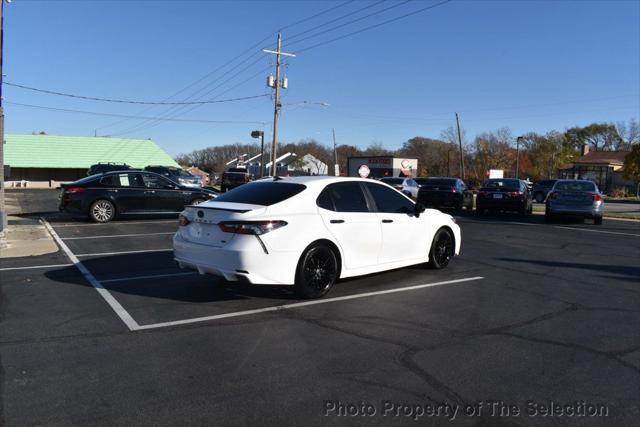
(317, 272)
(102, 211)
(442, 249)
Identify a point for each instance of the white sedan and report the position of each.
(310, 232)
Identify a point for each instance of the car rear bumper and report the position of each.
(500, 204)
(585, 211)
(244, 258)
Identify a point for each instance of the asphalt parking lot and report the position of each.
(529, 314)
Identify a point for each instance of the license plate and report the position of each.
(497, 196)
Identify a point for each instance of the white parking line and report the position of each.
(598, 231)
(113, 303)
(116, 223)
(152, 276)
(34, 266)
(125, 252)
(303, 304)
(117, 235)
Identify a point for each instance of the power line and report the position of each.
(295, 36)
(122, 101)
(96, 113)
(415, 12)
(353, 21)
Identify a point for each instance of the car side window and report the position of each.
(155, 181)
(388, 200)
(348, 197)
(124, 180)
(107, 181)
(325, 201)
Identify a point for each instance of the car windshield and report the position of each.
(262, 193)
(575, 186)
(497, 184)
(440, 181)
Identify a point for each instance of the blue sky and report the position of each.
(526, 65)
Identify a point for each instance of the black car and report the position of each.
(177, 175)
(107, 167)
(506, 195)
(103, 197)
(542, 188)
(234, 177)
(444, 192)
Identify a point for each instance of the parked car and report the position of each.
(443, 192)
(103, 197)
(577, 198)
(234, 177)
(311, 231)
(542, 188)
(406, 186)
(177, 175)
(107, 167)
(506, 195)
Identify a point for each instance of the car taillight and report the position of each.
(515, 193)
(596, 197)
(554, 195)
(250, 227)
(183, 221)
(72, 190)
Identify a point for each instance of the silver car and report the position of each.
(574, 197)
(407, 186)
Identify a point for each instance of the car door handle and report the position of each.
(387, 221)
(113, 191)
(336, 221)
(150, 191)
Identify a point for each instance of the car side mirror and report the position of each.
(418, 208)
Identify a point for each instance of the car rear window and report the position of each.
(502, 183)
(575, 186)
(262, 193)
(393, 181)
(440, 181)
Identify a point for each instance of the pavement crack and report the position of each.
(576, 347)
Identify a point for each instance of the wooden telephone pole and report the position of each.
(277, 83)
(460, 144)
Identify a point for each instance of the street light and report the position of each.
(518, 139)
(260, 134)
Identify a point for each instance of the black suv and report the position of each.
(234, 177)
(107, 167)
(541, 189)
(444, 192)
(105, 196)
(177, 175)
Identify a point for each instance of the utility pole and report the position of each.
(518, 139)
(448, 162)
(460, 143)
(336, 170)
(276, 85)
(3, 211)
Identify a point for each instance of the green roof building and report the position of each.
(46, 160)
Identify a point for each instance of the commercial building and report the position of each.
(48, 160)
(381, 166)
(605, 168)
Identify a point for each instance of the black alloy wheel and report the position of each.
(442, 249)
(317, 272)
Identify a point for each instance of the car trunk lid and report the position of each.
(205, 217)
